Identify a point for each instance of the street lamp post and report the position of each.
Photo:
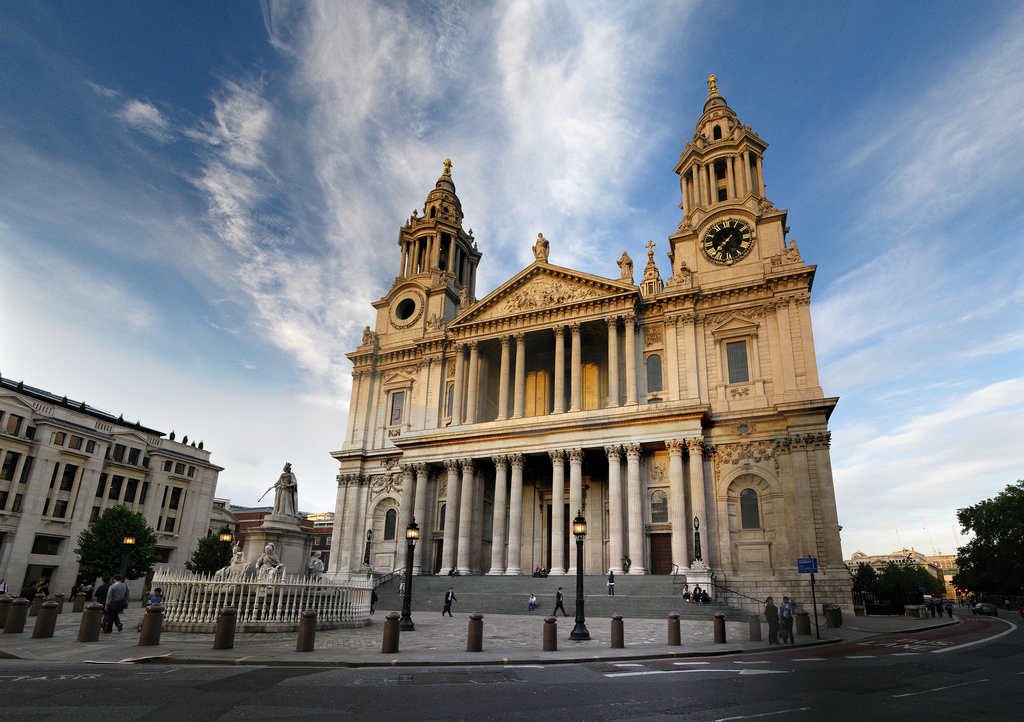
(225, 538)
(579, 530)
(412, 534)
(126, 544)
(366, 554)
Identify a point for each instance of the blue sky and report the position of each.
(199, 202)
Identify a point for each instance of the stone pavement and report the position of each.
(508, 639)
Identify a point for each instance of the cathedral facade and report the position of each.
(682, 417)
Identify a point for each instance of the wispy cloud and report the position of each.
(146, 118)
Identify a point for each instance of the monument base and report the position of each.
(291, 544)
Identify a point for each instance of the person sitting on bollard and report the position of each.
(155, 597)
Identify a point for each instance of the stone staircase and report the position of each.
(647, 596)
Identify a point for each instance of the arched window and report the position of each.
(440, 518)
(390, 522)
(718, 132)
(659, 507)
(433, 211)
(654, 372)
(750, 516)
(450, 400)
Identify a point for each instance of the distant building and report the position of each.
(902, 558)
(64, 462)
(947, 563)
(250, 517)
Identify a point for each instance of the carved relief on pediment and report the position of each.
(545, 292)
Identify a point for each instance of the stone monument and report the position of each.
(279, 542)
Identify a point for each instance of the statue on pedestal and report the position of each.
(314, 567)
(268, 567)
(286, 499)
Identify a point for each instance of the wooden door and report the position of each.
(661, 553)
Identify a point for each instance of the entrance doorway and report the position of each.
(438, 548)
(661, 553)
(565, 535)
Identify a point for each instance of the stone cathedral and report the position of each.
(682, 416)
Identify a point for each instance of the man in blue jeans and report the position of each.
(117, 602)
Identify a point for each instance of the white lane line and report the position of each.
(765, 661)
(628, 664)
(938, 689)
(668, 671)
(763, 714)
(980, 641)
(810, 659)
(860, 656)
(684, 663)
(905, 654)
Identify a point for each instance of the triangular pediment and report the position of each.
(14, 400)
(543, 286)
(737, 325)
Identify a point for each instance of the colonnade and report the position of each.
(699, 183)
(628, 500)
(467, 383)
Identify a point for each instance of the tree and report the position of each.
(864, 578)
(210, 554)
(101, 546)
(993, 561)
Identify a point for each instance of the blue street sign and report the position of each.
(807, 565)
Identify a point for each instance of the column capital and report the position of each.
(629, 318)
(633, 451)
(559, 331)
(467, 464)
(574, 327)
(407, 469)
(422, 468)
(460, 347)
(451, 464)
(520, 336)
(674, 446)
(505, 339)
(473, 344)
(557, 455)
(500, 461)
(612, 322)
(576, 456)
(614, 452)
(516, 460)
(695, 447)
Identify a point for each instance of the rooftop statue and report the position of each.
(540, 248)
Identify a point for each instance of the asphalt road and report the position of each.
(968, 671)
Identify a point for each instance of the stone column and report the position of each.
(520, 391)
(575, 494)
(684, 187)
(559, 369)
(576, 370)
(557, 511)
(629, 327)
(500, 503)
(730, 179)
(503, 379)
(420, 514)
(712, 186)
(747, 185)
(460, 372)
(613, 361)
(785, 325)
(337, 546)
(760, 175)
(515, 516)
(696, 449)
(451, 517)
(465, 557)
(474, 379)
(677, 503)
(405, 513)
(635, 504)
(614, 453)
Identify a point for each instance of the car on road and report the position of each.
(985, 608)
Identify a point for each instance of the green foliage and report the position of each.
(184, 439)
(895, 580)
(210, 554)
(993, 561)
(64, 401)
(138, 424)
(100, 548)
(20, 386)
(81, 406)
(171, 437)
(120, 419)
(200, 444)
(864, 578)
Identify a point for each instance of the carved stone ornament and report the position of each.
(652, 336)
(739, 391)
(369, 337)
(546, 292)
(790, 254)
(384, 483)
(656, 474)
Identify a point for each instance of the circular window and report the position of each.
(405, 309)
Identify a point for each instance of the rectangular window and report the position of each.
(142, 496)
(175, 498)
(179, 468)
(397, 403)
(60, 508)
(101, 486)
(30, 432)
(328, 541)
(58, 438)
(191, 471)
(130, 490)
(10, 464)
(49, 545)
(14, 424)
(133, 456)
(26, 470)
(169, 524)
(90, 446)
(115, 488)
(119, 452)
(75, 442)
(68, 479)
(95, 514)
(3, 500)
(53, 479)
(168, 465)
(16, 506)
(736, 358)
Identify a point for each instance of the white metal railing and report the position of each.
(192, 602)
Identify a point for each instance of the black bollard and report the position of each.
(152, 625)
(475, 635)
(37, 602)
(307, 632)
(5, 606)
(803, 622)
(550, 634)
(16, 615)
(618, 638)
(79, 602)
(719, 628)
(755, 627)
(46, 620)
(391, 633)
(92, 617)
(674, 639)
(224, 637)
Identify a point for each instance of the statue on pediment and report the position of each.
(540, 248)
(626, 267)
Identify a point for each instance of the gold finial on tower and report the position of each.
(713, 84)
(448, 165)
(651, 245)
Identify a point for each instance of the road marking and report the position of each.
(980, 641)
(810, 659)
(628, 664)
(905, 654)
(691, 671)
(763, 714)
(860, 656)
(765, 661)
(682, 663)
(938, 689)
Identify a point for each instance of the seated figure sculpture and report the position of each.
(315, 567)
(268, 567)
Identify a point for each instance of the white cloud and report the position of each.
(146, 118)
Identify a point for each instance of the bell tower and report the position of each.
(437, 269)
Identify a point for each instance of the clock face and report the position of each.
(727, 241)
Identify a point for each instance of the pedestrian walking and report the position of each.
(611, 584)
(448, 599)
(786, 621)
(771, 613)
(558, 604)
(117, 602)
